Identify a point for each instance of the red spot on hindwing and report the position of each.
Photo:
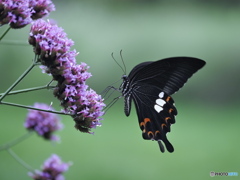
(146, 120)
(166, 119)
(163, 125)
(143, 124)
(150, 134)
(168, 98)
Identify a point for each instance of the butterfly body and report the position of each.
(150, 86)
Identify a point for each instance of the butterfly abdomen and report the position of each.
(127, 93)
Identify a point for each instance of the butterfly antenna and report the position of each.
(125, 69)
(118, 63)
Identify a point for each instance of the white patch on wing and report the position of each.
(160, 102)
(158, 108)
(161, 94)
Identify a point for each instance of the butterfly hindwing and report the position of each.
(156, 112)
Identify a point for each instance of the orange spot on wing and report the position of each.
(168, 98)
(146, 120)
(157, 132)
(171, 110)
(163, 125)
(150, 134)
(142, 124)
(166, 119)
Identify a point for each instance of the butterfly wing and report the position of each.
(150, 86)
(156, 112)
(169, 74)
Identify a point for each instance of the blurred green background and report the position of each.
(206, 132)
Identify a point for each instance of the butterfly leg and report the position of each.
(107, 89)
(111, 103)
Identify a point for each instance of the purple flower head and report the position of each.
(15, 12)
(41, 8)
(43, 123)
(52, 169)
(19, 13)
(49, 41)
(89, 108)
(52, 47)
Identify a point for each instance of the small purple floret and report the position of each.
(41, 8)
(43, 123)
(52, 169)
(19, 13)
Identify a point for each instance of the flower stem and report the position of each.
(18, 159)
(16, 141)
(5, 33)
(29, 89)
(16, 82)
(17, 43)
(30, 107)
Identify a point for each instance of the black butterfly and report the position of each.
(150, 85)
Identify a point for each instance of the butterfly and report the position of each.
(150, 86)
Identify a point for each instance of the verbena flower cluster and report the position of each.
(43, 123)
(52, 48)
(52, 169)
(19, 13)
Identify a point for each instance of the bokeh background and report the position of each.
(206, 133)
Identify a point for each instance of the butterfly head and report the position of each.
(124, 77)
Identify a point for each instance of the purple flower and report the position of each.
(19, 13)
(52, 169)
(52, 48)
(87, 115)
(41, 8)
(15, 12)
(49, 41)
(43, 123)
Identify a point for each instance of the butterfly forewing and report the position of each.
(169, 74)
(150, 85)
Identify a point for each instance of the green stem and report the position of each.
(48, 85)
(17, 43)
(5, 33)
(16, 141)
(16, 82)
(33, 108)
(18, 159)
(29, 90)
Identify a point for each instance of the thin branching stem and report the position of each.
(2, 36)
(49, 84)
(29, 90)
(14, 42)
(16, 82)
(18, 159)
(16, 141)
(33, 108)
